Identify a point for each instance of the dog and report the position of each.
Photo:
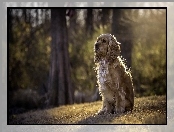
(113, 77)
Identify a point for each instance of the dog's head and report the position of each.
(106, 47)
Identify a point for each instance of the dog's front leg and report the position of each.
(119, 105)
(106, 107)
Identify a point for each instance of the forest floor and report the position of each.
(147, 110)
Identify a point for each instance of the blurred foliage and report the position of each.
(82, 60)
(149, 53)
(29, 49)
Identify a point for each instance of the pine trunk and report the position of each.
(61, 92)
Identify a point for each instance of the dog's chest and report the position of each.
(104, 80)
(103, 73)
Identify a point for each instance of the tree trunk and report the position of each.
(37, 16)
(89, 22)
(122, 31)
(24, 15)
(59, 83)
(105, 17)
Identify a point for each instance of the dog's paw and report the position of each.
(119, 110)
(101, 112)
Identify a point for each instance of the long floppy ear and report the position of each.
(96, 58)
(113, 49)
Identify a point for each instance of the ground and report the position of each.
(147, 110)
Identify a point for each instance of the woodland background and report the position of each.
(50, 53)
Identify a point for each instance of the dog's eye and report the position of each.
(104, 41)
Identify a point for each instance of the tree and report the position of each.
(59, 80)
(121, 28)
(89, 22)
(105, 16)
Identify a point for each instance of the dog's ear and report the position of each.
(96, 58)
(113, 49)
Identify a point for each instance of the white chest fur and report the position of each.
(106, 83)
(103, 72)
(104, 80)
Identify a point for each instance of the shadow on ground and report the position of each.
(100, 119)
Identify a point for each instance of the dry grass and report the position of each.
(147, 110)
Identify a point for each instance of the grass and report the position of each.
(147, 110)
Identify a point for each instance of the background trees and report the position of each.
(61, 91)
(51, 51)
(122, 28)
(149, 52)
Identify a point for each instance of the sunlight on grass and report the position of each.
(147, 110)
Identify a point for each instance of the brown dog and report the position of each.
(113, 77)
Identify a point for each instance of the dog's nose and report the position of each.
(96, 46)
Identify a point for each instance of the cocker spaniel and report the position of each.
(113, 77)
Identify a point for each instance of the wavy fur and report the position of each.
(113, 77)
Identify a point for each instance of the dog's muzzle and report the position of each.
(96, 46)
